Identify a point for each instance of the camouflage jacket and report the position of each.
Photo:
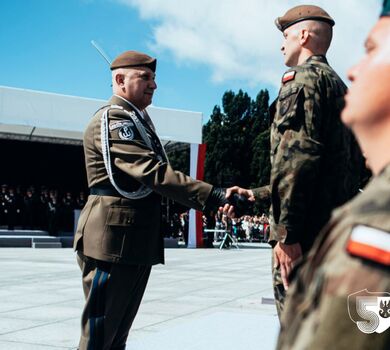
(350, 259)
(314, 157)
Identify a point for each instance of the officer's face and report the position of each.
(367, 101)
(291, 47)
(138, 86)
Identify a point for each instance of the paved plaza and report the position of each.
(201, 299)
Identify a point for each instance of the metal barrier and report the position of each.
(225, 237)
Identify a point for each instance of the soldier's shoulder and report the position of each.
(305, 75)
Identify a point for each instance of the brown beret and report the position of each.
(133, 59)
(303, 13)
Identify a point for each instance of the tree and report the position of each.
(237, 139)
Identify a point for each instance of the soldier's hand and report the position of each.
(242, 191)
(286, 256)
(236, 193)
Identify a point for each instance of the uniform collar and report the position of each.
(317, 58)
(127, 105)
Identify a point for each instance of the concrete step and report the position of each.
(67, 242)
(46, 245)
(26, 241)
(171, 243)
(15, 241)
(23, 233)
(45, 239)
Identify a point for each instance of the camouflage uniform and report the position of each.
(316, 315)
(315, 159)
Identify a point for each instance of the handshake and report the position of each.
(234, 201)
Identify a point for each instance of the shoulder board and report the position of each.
(288, 76)
(370, 243)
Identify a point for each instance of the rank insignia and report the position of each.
(288, 76)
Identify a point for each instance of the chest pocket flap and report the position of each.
(287, 108)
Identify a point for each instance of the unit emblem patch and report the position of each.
(126, 133)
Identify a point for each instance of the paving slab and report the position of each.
(201, 299)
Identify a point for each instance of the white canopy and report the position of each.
(34, 115)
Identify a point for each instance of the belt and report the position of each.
(104, 191)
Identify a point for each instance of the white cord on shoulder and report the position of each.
(143, 191)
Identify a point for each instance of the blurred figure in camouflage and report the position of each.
(340, 298)
(315, 160)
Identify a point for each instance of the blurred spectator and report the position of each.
(53, 214)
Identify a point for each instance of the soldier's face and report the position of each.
(138, 86)
(291, 47)
(368, 99)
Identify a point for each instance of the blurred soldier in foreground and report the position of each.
(118, 237)
(315, 160)
(340, 298)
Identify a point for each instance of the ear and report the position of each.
(119, 79)
(304, 37)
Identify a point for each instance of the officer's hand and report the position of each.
(238, 192)
(236, 203)
(286, 256)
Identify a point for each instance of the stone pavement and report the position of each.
(201, 299)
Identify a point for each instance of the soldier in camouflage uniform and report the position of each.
(345, 279)
(315, 159)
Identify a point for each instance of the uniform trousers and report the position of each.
(113, 293)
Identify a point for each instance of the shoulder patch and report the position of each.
(126, 133)
(120, 124)
(370, 243)
(288, 76)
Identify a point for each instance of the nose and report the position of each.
(352, 72)
(153, 85)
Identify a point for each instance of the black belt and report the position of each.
(104, 191)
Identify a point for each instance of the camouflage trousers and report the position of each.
(279, 291)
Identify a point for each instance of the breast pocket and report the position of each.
(119, 223)
(287, 109)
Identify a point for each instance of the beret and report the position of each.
(133, 59)
(386, 8)
(303, 13)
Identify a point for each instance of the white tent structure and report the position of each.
(47, 117)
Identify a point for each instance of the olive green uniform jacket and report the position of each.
(315, 160)
(352, 255)
(117, 229)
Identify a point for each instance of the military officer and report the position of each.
(118, 237)
(340, 298)
(315, 160)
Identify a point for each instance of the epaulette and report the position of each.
(370, 243)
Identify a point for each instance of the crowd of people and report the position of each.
(43, 209)
(245, 228)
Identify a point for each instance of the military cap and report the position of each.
(386, 8)
(303, 13)
(133, 59)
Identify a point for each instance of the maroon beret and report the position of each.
(133, 59)
(303, 13)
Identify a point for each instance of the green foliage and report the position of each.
(237, 139)
(179, 157)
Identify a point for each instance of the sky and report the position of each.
(203, 47)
